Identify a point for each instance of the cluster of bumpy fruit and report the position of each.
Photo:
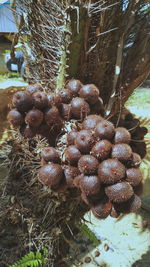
(36, 112)
(97, 159)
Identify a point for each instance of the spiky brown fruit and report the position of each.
(74, 86)
(134, 161)
(111, 171)
(102, 209)
(22, 101)
(50, 174)
(88, 164)
(79, 108)
(65, 96)
(91, 121)
(15, 118)
(90, 93)
(70, 173)
(122, 135)
(131, 205)
(119, 192)
(71, 137)
(105, 130)
(34, 118)
(49, 154)
(101, 150)
(134, 176)
(90, 185)
(72, 155)
(40, 100)
(84, 141)
(121, 152)
(32, 88)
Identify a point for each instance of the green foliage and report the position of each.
(88, 233)
(32, 259)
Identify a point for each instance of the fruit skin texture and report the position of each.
(88, 164)
(84, 141)
(90, 185)
(122, 135)
(101, 150)
(50, 174)
(32, 88)
(102, 209)
(90, 93)
(134, 176)
(40, 100)
(71, 137)
(133, 204)
(111, 171)
(15, 118)
(22, 101)
(91, 121)
(119, 192)
(122, 152)
(79, 108)
(74, 86)
(70, 173)
(134, 161)
(72, 155)
(50, 154)
(65, 96)
(34, 118)
(105, 130)
(52, 116)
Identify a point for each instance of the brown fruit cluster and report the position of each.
(97, 160)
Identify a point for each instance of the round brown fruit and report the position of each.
(65, 95)
(34, 118)
(79, 108)
(101, 150)
(72, 155)
(74, 86)
(71, 137)
(135, 160)
(22, 101)
(121, 152)
(32, 88)
(119, 192)
(98, 107)
(131, 205)
(52, 116)
(102, 209)
(91, 121)
(51, 99)
(122, 135)
(90, 185)
(90, 93)
(88, 164)
(111, 171)
(105, 130)
(84, 141)
(40, 100)
(50, 174)
(70, 173)
(134, 176)
(49, 154)
(15, 118)
(65, 111)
